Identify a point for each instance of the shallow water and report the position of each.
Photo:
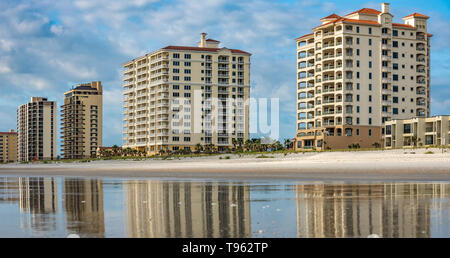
(99, 207)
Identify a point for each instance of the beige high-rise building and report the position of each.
(418, 132)
(358, 71)
(36, 128)
(82, 121)
(8, 147)
(179, 96)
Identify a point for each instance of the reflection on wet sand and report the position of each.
(38, 202)
(187, 209)
(389, 210)
(84, 207)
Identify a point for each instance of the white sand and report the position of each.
(391, 164)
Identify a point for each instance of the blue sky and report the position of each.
(48, 46)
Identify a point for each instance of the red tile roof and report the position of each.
(204, 49)
(403, 25)
(333, 16)
(417, 15)
(365, 11)
(349, 21)
(305, 36)
(14, 133)
(212, 40)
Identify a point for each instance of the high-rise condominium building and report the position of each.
(358, 71)
(8, 147)
(179, 96)
(36, 127)
(82, 121)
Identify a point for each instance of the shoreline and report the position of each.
(364, 165)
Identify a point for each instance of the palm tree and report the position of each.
(287, 143)
(198, 148)
(115, 150)
(234, 142)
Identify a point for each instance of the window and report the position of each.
(394, 43)
(395, 33)
(370, 76)
(187, 95)
(357, 52)
(176, 63)
(370, 98)
(187, 56)
(357, 109)
(370, 64)
(176, 78)
(188, 71)
(407, 128)
(395, 111)
(187, 63)
(370, 132)
(187, 139)
(370, 52)
(176, 94)
(370, 30)
(187, 87)
(395, 55)
(175, 138)
(395, 66)
(395, 99)
(176, 70)
(187, 78)
(357, 41)
(176, 55)
(370, 86)
(370, 121)
(357, 29)
(176, 87)
(370, 42)
(395, 88)
(370, 110)
(395, 77)
(357, 132)
(357, 97)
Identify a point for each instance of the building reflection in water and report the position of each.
(9, 190)
(389, 210)
(187, 209)
(83, 201)
(38, 202)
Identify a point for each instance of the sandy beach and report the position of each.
(361, 165)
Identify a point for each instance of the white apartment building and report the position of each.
(358, 71)
(179, 96)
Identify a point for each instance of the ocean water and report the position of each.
(162, 208)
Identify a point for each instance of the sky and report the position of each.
(48, 46)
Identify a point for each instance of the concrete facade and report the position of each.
(359, 71)
(82, 121)
(179, 96)
(36, 128)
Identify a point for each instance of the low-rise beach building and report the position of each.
(418, 132)
(8, 147)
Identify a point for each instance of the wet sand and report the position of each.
(370, 165)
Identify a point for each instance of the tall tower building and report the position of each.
(8, 147)
(358, 71)
(180, 96)
(82, 121)
(36, 127)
